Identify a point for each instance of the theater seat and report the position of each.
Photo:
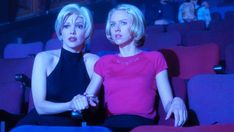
(156, 41)
(15, 50)
(184, 28)
(99, 42)
(12, 93)
(208, 128)
(53, 44)
(186, 62)
(60, 129)
(211, 97)
(229, 58)
(229, 16)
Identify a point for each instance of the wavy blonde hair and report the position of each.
(138, 25)
(81, 11)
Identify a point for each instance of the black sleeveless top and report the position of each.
(68, 79)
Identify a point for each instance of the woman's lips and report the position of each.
(72, 39)
(118, 36)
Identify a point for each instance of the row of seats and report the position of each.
(157, 37)
(185, 64)
(223, 12)
(12, 98)
(29, 49)
(204, 128)
(204, 99)
(190, 52)
(157, 41)
(154, 41)
(210, 97)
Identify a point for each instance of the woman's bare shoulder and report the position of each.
(47, 56)
(91, 57)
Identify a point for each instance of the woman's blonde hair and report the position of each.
(81, 11)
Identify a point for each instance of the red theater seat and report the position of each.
(192, 60)
(208, 128)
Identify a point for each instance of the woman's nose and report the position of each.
(117, 28)
(73, 30)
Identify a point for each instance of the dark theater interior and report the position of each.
(195, 37)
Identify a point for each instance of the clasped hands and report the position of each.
(178, 108)
(82, 102)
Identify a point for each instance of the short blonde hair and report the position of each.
(80, 11)
(138, 25)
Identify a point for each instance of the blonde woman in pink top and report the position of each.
(132, 77)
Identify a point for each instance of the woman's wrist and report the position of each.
(168, 106)
(69, 106)
(177, 99)
(91, 97)
(88, 94)
(174, 100)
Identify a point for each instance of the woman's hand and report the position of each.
(178, 108)
(93, 100)
(79, 103)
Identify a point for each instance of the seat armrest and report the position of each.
(23, 79)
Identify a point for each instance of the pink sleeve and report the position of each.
(98, 67)
(160, 63)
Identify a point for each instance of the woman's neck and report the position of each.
(77, 49)
(129, 50)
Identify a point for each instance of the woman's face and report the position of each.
(73, 32)
(120, 28)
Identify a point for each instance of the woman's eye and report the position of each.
(80, 26)
(123, 23)
(66, 26)
(112, 25)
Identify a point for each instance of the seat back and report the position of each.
(211, 98)
(221, 38)
(229, 15)
(53, 44)
(12, 93)
(208, 128)
(193, 60)
(99, 42)
(35, 128)
(215, 16)
(229, 58)
(184, 28)
(156, 41)
(156, 29)
(15, 50)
